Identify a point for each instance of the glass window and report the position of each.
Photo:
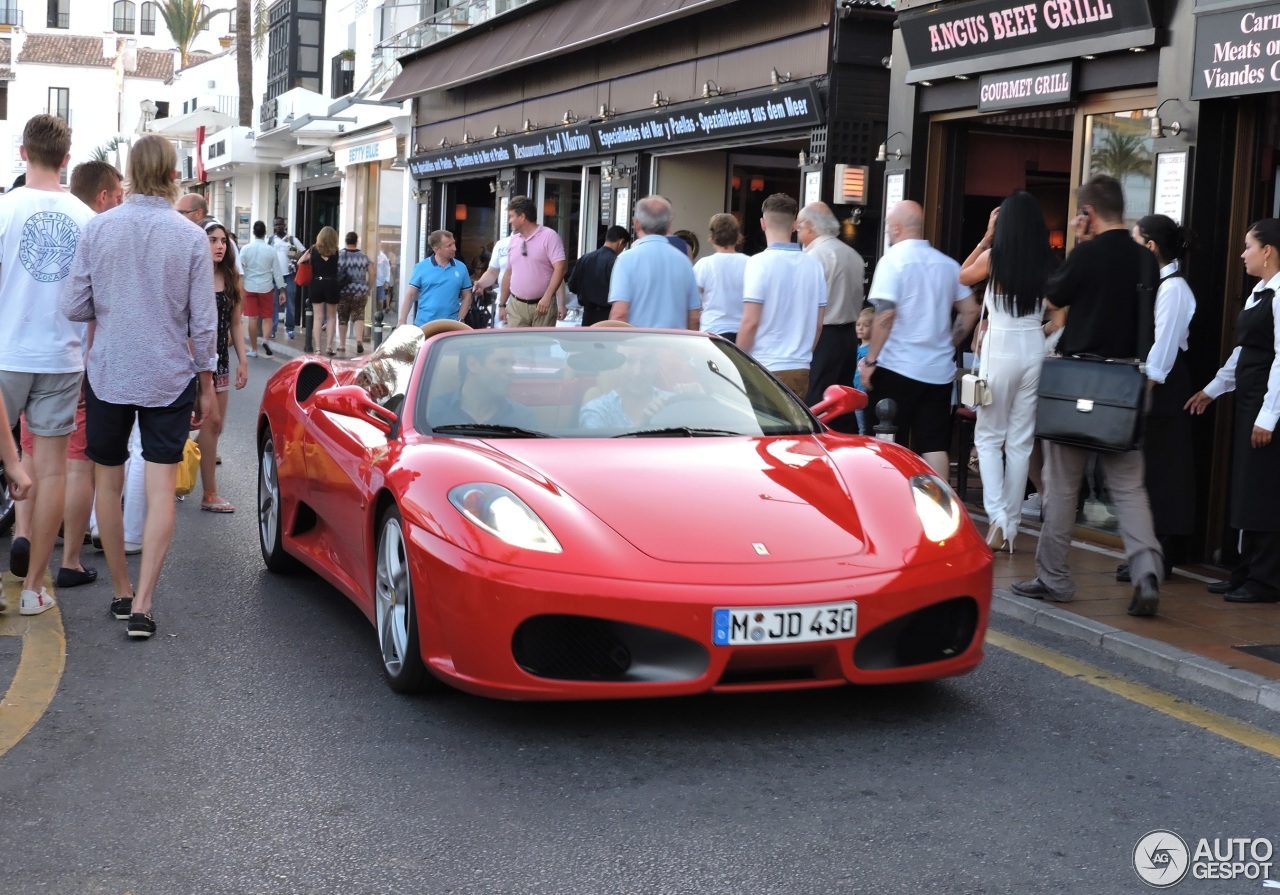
(60, 103)
(59, 16)
(1120, 144)
(122, 21)
(9, 13)
(148, 18)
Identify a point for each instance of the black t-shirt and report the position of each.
(1100, 283)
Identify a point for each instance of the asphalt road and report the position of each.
(252, 747)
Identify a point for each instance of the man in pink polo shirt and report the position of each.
(535, 270)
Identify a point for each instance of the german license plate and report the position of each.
(784, 624)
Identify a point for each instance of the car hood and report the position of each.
(707, 500)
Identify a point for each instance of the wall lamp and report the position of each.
(529, 125)
(884, 154)
(710, 89)
(776, 77)
(569, 118)
(499, 132)
(1159, 129)
(418, 147)
(444, 143)
(660, 101)
(467, 138)
(606, 112)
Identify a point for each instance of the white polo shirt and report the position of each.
(923, 284)
(792, 287)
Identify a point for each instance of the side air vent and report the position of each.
(312, 377)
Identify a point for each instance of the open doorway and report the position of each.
(752, 179)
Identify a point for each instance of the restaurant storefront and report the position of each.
(996, 96)
(711, 109)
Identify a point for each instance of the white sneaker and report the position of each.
(251, 353)
(4, 604)
(132, 549)
(1032, 506)
(35, 603)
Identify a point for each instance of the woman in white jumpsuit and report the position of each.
(1016, 260)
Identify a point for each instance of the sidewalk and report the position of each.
(1195, 635)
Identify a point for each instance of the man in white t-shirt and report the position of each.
(911, 358)
(497, 267)
(719, 277)
(784, 293)
(41, 351)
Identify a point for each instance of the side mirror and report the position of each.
(838, 400)
(354, 402)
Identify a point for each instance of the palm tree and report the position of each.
(185, 19)
(1121, 155)
(247, 51)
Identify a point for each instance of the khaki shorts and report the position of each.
(48, 399)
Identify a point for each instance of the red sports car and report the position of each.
(612, 512)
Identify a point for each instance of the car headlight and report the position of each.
(502, 514)
(937, 507)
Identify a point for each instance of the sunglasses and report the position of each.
(524, 248)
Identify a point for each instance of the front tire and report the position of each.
(270, 537)
(396, 615)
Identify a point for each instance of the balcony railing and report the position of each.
(407, 29)
(11, 15)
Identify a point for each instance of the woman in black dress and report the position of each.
(323, 294)
(1253, 373)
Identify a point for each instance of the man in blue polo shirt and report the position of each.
(440, 286)
(652, 283)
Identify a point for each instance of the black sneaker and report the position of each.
(122, 608)
(266, 349)
(141, 626)
(20, 557)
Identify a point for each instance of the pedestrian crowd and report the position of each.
(106, 417)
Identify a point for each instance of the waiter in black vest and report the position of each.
(590, 278)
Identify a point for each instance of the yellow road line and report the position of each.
(44, 654)
(1229, 728)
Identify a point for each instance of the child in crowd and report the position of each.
(862, 327)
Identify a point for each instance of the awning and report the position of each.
(183, 127)
(553, 30)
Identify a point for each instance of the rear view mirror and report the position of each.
(354, 402)
(838, 400)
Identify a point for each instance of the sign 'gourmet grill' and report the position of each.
(968, 37)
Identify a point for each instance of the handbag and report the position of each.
(974, 391)
(188, 469)
(303, 275)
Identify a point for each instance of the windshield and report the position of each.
(600, 383)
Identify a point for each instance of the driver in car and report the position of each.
(636, 399)
(481, 396)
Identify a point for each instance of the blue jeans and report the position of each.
(290, 297)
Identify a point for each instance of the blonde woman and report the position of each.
(226, 287)
(323, 293)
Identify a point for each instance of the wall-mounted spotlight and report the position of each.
(776, 77)
(444, 143)
(569, 118)
(499, 132)
(606, 112)
(710, 89)
(660, 101)
(529, 125)
(467, 138)
(884, 154)
(418, 147)
(1159, 129)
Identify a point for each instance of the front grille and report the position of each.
(932, 634)
(580, 648)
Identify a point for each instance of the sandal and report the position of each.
(217, 506)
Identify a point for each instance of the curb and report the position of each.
(1141, 650)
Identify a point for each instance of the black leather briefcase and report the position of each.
(1092, 402)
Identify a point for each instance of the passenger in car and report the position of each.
(633, 401)
(486, 371)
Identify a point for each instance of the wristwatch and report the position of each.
(869, 362)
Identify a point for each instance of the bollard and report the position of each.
(886, 410)
(377, 329)
(308, 344)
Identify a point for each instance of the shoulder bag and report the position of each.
(1096, 403)
(303, 275)
(973, 384)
